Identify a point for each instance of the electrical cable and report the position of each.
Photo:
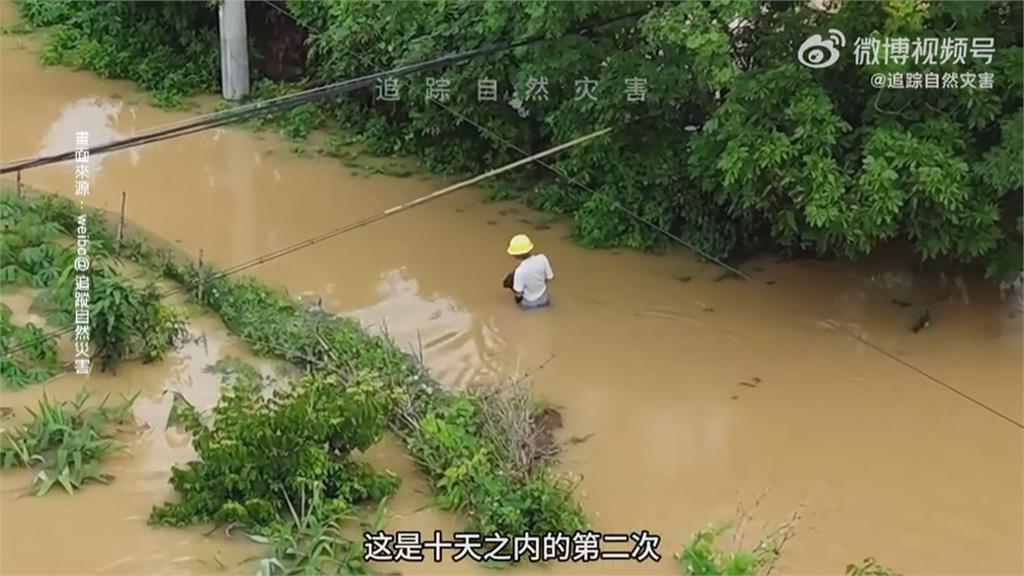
(618, 205)
(204, 122)
(558, 171)
(287, 102)
(934, 379)
(290, 101)
(395, 209)
(350, 227)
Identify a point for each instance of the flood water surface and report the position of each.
(695, 393)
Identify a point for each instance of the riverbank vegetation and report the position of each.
(37, 250)
(278, 465)
(735, 146)
(276, 460)
(704, 554)
(446, 432)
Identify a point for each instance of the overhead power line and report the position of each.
(349, 227)
(557, 171)
(632, 214)
(282, 103)
(286, 102)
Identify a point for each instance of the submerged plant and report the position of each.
(312, 544)
(473, 473)
(26, 356)
(125, 320)
(66, 440)
(702, 557)
(869, 567)
(261, 452)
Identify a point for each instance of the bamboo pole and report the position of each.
(120, 222)
(202, 275)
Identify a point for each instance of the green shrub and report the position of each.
(702, 557)
(260, 452)
(470, 475)
(169, 48)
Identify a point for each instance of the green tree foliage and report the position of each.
(780, 155)
(803, 159)
(169, 48)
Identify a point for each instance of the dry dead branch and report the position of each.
(523, 433)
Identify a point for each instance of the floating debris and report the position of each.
(923, 321)
(580, 439)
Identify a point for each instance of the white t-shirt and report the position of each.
(531, 276)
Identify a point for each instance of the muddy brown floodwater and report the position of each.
(699, 393)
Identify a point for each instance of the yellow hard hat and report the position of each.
(519, 244)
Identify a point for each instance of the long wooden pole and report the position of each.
(120, 222)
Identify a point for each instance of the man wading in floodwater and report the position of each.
(529, 281)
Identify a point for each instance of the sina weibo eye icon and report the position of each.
(817, 52)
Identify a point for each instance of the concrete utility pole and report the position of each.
(234, 50)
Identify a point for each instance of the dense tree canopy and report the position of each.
(736, 146)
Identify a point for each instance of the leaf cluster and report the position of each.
(470, 473)
(125, 320)
(263, 450)
(25, 356)
(67, 440)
